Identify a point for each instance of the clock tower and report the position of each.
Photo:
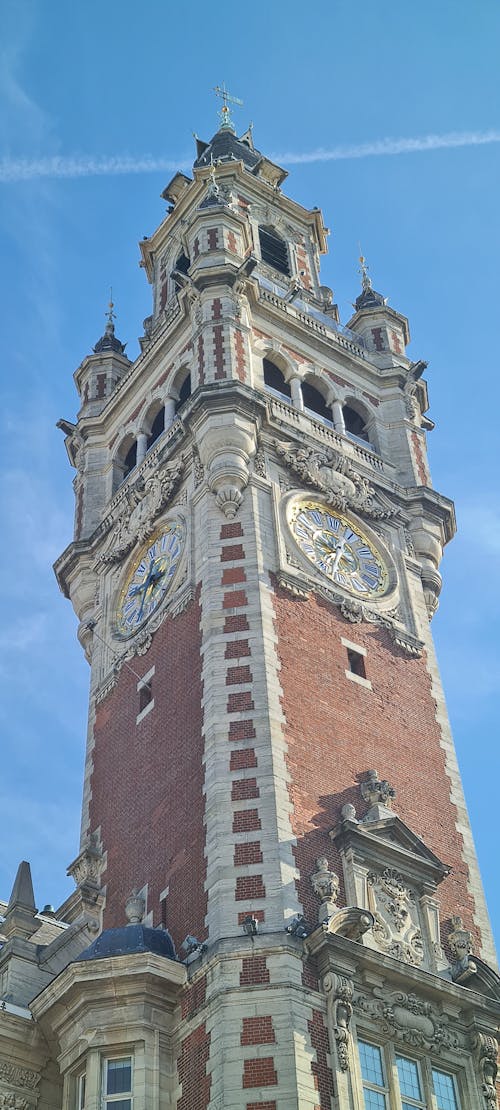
(271, 794)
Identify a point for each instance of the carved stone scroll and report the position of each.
(339, 995)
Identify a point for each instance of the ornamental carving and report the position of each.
(460, 939)
(331, 472)
(486, 1053)
(13, 1102)
(87, 867)
(339, 995)
(17, 1076)
(408, 1018)
(145, 500)
(394, 906)
(325, 884)
(375, 790)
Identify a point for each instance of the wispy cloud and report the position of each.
(60, 166)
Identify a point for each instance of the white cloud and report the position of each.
(74, 166)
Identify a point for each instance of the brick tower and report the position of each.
(254, 568)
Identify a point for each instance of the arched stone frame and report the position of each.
(313, 377)
(272, 350)
(367, 413)
(181, 369)
(127, 437)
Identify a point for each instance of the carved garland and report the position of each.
(408, 1018)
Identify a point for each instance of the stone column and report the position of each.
(142, 446)
(296, 391)
(338, 417)
(169, 411)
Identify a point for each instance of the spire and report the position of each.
(368, 298)
(226, 123)
(22, 896)
(109, 342)
(20, 919)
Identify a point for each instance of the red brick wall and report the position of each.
(147, 782)
(192, 1065)
(337, 730)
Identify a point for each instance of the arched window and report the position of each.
(274, 250)
(315, 403)
(130, 459)
(354, 423)
(273, 379)
(182, 266)
(157, 427)
(184, 392)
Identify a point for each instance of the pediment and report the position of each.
(382, 838)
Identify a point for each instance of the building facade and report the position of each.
(261, 919)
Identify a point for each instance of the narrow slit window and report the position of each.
(145, 695)
(356, 662)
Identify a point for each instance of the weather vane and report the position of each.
(226, 123)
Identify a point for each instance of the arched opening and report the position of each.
(182, 265)
(354, 423)
(274, 380)
(184, 392)
(315, 403)
(274, 250)
(157, 427)
(130, 459)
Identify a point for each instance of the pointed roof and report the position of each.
(225, 147)
(108, 341)
(368, 298)
(22, 896)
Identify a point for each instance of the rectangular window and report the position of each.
(118, 1084)
(409, 1083)
(372, 1072)
(445, 1090)
(81, 1092)
(356, 663)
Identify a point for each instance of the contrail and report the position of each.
(59, 167)
(393, 146)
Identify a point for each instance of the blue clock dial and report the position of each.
(150, 579)
(339, 549)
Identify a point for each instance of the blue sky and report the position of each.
(86, 91)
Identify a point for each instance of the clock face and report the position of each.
(149, 579)
(338, 548)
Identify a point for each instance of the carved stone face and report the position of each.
(339, 549)
(149, 578)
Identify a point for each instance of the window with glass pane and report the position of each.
(81, 1092)
(372, 1072)
(409, 1082)
(118, 1082)
(445, 1090)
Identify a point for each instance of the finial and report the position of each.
(110, 315)
(366, 281)
(226, 123)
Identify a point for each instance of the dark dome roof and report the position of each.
(224, 147)
(369, 298)
(129, 939)
(109, 342)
